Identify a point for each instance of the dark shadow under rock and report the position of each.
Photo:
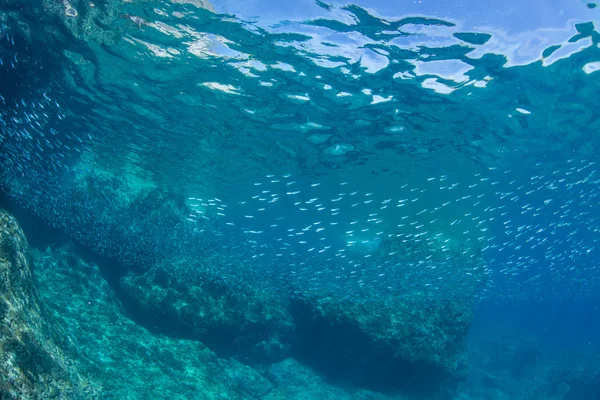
(414, 347)
(294, 381)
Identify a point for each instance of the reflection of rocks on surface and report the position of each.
(35, 354)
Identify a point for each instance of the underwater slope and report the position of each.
(37, 360)
(82, 346)
(411, 345)
(120, 356)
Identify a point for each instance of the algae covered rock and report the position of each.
(406, 341)
(190, 301)
(129, 361)
(410, 346)
(35, 357)
(246, 381)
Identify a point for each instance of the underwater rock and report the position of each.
(184, 301)
(406, 342)
(412, 346)
(133, 363)
(36, 359)
(295, 381)
(129, 361)
(246, 381)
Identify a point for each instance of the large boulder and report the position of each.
(411, 346)
(410, 340)
(185, 300)
(36, 359)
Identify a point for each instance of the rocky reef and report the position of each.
(37, 357)
(203, 339)
(130, 361)
(248, 324)
(411, 346)
(66, 334)
(414, 346)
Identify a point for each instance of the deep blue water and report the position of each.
(558, 325)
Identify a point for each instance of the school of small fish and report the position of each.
(499, 224)
(498, 231)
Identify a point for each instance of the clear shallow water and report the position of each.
(356, 150)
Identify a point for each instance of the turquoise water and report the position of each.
(360, 150)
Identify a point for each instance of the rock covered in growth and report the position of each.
(35, 357)
(294, 381)
(406, 341)
(129, 361)
(247, 382)
(192, 302)
(413, 346)
(132, 363)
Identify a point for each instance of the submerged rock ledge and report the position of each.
(37, 360)
(412, 346)
(65, 334)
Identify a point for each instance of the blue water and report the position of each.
(355, 150)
